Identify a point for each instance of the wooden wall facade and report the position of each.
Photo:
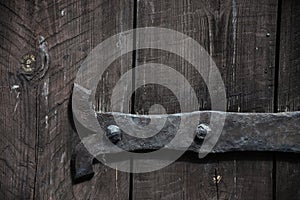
(255, 44)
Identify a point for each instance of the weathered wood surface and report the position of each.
(72, 29)
(18, 121)
(37, 135)
(287, 176)
(289, 58)
(191, 178)
(288, 167)
(241, 37)
(235, 33)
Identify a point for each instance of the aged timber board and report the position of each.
(37, 134)
(288, 166)
(241, 37)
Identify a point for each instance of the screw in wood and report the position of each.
(26, 62)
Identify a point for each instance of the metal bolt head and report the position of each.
(27, 62)
(202, 130)
(114, 133)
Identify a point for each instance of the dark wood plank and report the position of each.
(288, 165)
(184, 179)
(253, 176)
(72, 29)
(37, 134)
(241, 38)
(18, 122)
(289, 69)
(287, 176)
(243, 48)
(191, 178)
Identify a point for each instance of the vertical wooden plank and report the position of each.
(287, 176)
(18, 123)
(240, 36)
(252, 176)
(175, 182)
(289, 69)
(288, 165)
(72, 29)
(37, 134)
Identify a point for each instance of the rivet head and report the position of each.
(268, 35)
(202, 130)
(114, 133)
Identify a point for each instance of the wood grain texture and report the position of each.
(241, 37)
(18, 122)
(37, 134)
(253, 176)
(72, 29)
(184, 179)
(191, 178)
(233, 32)
(288, 165)
(289, 58)
(287, 176)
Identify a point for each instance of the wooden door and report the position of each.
(255, 45)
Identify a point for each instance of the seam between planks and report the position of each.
(134, 52)
(276, 89)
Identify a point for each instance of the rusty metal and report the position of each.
(81, 164)
(278, 132)
(114, 134)
(202, 130)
